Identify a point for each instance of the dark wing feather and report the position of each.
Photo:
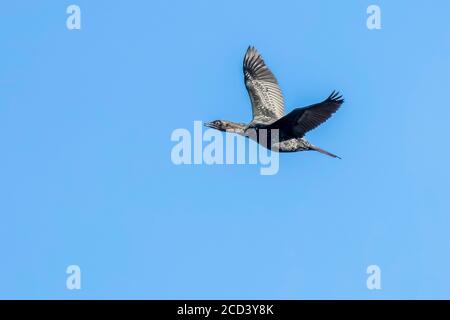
(301, 120)
(263, 89)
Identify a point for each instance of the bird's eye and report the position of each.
(217, 122)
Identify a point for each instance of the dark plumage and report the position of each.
(268, 111)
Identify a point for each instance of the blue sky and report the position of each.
(87, 179)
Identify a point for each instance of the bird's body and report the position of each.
(269, 126)
(291, 145)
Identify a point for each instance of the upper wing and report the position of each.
(301, 120)
(262, 86)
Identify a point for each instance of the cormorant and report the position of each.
(268, 111)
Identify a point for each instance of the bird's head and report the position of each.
(224, 125)
(217, 124)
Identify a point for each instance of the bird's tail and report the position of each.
(323, 151)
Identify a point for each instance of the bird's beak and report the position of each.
(210, 125)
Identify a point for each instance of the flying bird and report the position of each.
(283, 133)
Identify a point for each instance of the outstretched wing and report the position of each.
(301, 120)
(262, 86)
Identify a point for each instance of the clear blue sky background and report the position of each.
(87, 179)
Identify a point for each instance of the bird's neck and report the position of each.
(237, 128)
